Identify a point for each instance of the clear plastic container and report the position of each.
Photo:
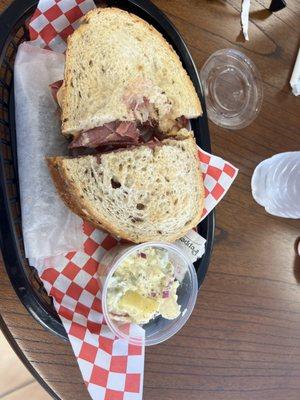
(158, 329)
(232, 87)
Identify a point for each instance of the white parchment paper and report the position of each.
(49, 228)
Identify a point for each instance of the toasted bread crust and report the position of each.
(67, 190)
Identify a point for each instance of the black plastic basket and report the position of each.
(13, 31)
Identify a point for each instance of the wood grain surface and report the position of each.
(15, 380)
(243, 339)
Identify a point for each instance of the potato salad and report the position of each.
(143, 287)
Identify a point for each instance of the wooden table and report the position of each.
(243, 339)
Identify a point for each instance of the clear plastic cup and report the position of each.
(158, 329)
(233, 89)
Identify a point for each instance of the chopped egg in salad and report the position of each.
(143, 287)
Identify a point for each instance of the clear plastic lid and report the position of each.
(158, 329)
(233, 89)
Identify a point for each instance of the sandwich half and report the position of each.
(147, 192)
(122, 75)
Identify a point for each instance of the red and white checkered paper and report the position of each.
(111, 368)
(218, 176)
(54, 20)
